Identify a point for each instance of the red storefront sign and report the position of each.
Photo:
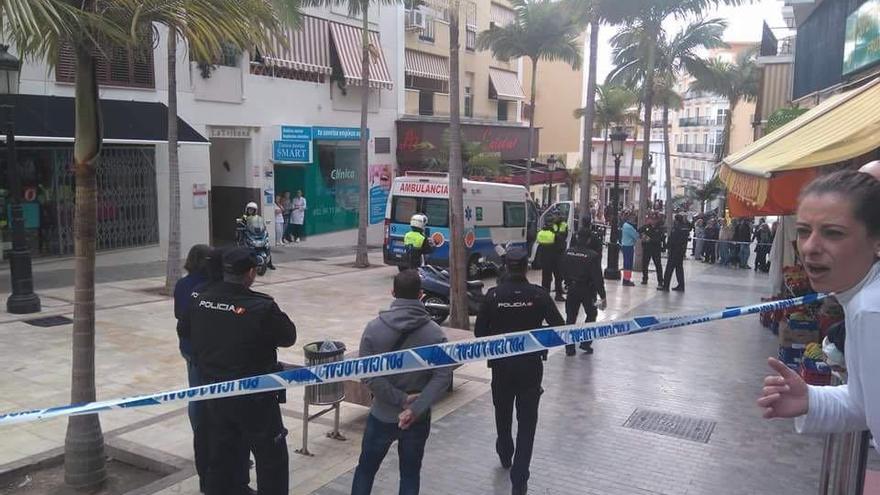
(419, 141)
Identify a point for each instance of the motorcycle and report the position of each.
(252, 234)
(435, 286)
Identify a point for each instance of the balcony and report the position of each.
(699, 121)
(713, 149)
(426, 103)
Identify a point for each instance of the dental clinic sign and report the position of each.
(295, 145)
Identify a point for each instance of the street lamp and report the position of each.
(23, 300)
(551, 167)
(612, 271)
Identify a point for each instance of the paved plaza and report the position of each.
(710, 372)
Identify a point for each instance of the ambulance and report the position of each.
(494, 215)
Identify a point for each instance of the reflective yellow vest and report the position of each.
(414, 239)
(562, 227)
(546, 236)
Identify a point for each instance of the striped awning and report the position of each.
(501, 16)
(308, 50)
(426, 65)
(506, 84)
(347, 40)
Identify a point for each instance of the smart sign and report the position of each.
(295, 151)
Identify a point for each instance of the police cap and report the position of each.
(238, 260)
(516, 255)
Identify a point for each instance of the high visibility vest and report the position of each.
(546, 236)
(414, 239)
(561, 228)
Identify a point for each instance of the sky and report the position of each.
(745, 24)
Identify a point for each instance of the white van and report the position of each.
(494, 214)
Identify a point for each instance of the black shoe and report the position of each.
(559, 298)
(587, 347)
(663, 288)
(678, 289)
(505, 461)
(271, 266)
(521, 489)
(628, 283)
(645, 282)
(250, 491)
(569, 351)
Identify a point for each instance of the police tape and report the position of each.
(732, 242)
(410, 360)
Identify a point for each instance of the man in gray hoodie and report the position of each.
(402, 403)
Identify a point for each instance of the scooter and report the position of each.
(253, 235)
(435, 286)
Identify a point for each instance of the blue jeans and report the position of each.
(378, 438)
(724, 252)
(628, 252)
(744, 253)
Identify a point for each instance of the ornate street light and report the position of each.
(23, 299)
(618, 141)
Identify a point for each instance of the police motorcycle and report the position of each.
(435, 287)
(251, 232)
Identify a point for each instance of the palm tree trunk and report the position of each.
(458, 316)
(172, 265)
(589, 117)
(646, 157)
(84, 465)
(632, 158)
(361, 259)
(602, 201)
(532, 128)
(668, 165)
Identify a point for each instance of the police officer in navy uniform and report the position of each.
(235, 334)
(512, 306)
(582, 271)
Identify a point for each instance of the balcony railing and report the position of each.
(699, 121)
(713, 149)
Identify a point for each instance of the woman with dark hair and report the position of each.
(201, 268)
(838, 238)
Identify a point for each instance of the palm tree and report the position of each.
(38, 28)
(543, 30)
(737, 82)
(360, 8)
(207, 28)
(668, 99)
(633, 47)
(459, 314)
(707, 192)
(636, 51)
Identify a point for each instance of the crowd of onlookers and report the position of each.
(729, 243)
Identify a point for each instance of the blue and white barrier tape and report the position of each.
(408, 360)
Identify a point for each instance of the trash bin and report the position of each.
(326, 394)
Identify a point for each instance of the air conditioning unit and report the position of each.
(415, 20)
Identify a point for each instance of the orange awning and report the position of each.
(782, 194)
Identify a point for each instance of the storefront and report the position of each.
(128, 206)
(323, 163)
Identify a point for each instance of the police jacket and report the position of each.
(513, 306)
(235, 332)
(653, 236)
(547, 243)
(581, 268)
(678, 239)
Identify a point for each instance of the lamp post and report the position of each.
(612, 271)
(23, 300)
(551, 167)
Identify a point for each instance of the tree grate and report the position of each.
(673, 425)
(49, 321)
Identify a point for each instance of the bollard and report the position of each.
(330, 394)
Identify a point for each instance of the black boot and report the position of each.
(520, 489)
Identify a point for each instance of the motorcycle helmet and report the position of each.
(418, 221)
(251, 208)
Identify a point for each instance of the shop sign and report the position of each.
(861, 46)
(295, 133)
(200, 195)
(337, 133)
(419, 142)
(292, 151)
(228, 132)
(380, 185)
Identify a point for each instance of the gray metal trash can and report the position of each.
(331, 393)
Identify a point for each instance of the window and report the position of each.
(470, 43)
(514, 214)
(427, 34)
(502, 110)
(382, 145)
(468, 102)
(471, 26)
(426, 103)
(114, 65)
(721, 116)
(437, 210)
(403, 208)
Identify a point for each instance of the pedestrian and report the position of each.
(287, 204)
(838, 239)
(198, 274)
(725, 235)
(764, 239)
(415, 243)
(279, 221)
(743, 238)
(513, 306)
(298, 217)
(401, 408)
(653, 239)
(699, 235)
(709, 247)
(677, 246)
(582, 271)
(628, 238)
(548, 257)
(235, 335)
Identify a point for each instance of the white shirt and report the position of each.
(856, 405)
(298, 216)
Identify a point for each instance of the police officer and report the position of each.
(653, 238)
(677, 246)
(548, 254)
(582, 271)
(512, 306)
(235, 333)
(415, 243)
